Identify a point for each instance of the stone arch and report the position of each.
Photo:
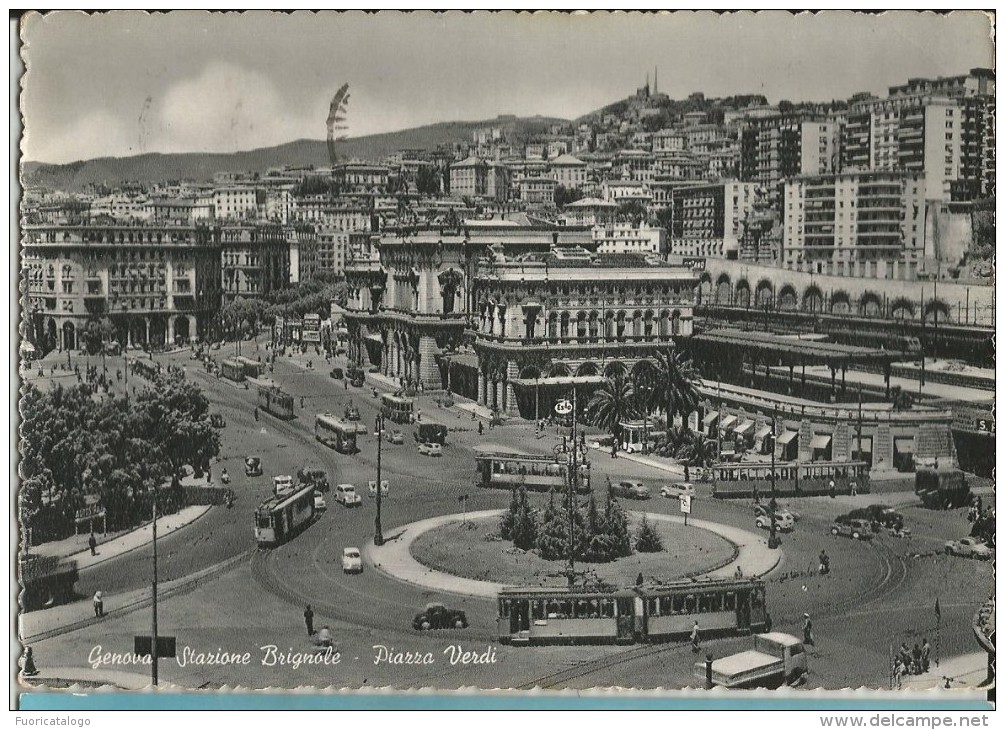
(647, 323)
(581, 326)
(564, 325)
(530, 372)
(614, 368)
(559, 370)
(870, 305)
(764, 294)
(840, 302)
(742, 293)
(181, 330)
(593, 325)
(936, 306)
(51, 332)
(552, 326)
(813, 299)
(787, 298)
(69, 336)
(675, 322)
(620, 324)
(636, 323)
(587, 368)
(902, 308)
(609, 326)
(664, 329)
(138, 329)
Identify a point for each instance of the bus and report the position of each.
(541, 615)
(792, 479)
(281, 518)
(540, 473)
(397, 408)
(232, 370)
(336, 433)
(942, 488)
(252, 368)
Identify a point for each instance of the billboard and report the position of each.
(311, 328)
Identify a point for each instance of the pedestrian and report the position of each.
(256, 413)
(418, 416)
(687, 473)
(29, 669)
(99, 605)
(92, 543)
(639, 580)
(926, 655)
(808, 631)
(614, 450)
(904, 655)
(825, 563)
(757, 495)
(916, 659)
(831, 489)
(854, 487)
(695, 638)
(898, 672)
(481, 427)
(739, 572)
(309, 620)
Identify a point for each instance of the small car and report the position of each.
(438, 616)
(352, 413)
(394, 437)
(783, 521)
(352, 561)
(384, 488)
(630, 490)
(337, 373)
(252, 466)
(361, 429)
(345, 494)
(878, 514)
(762, 510)
(430, 449)
(855, 529)
(217, 421)
(282, 485)
(319, 502)
(969, 547)
(673, 491)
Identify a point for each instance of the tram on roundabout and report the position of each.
(646, 613)
(536, 472)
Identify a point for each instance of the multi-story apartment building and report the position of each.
(326, 209)
(569, 171)
(589, 212)
(361, 176)
(979, 82)
(868, 224)
(622, 191)
(635, 165)
(668, 141)
(333, 249)
(476, 178)
(614, 238)
(709, 220)
(537, 191)
(157, 284)
(238, 202)
(254, 260)
(775, 148)
(122, 207)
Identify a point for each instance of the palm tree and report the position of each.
(612, 403)
(676, 387)
(699, 451)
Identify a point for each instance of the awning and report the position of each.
(710, 418)
(820, 441)
(762, 432)
(744, 427)
(786, 437)
(728, 421)
(904, 446)
(375, 338)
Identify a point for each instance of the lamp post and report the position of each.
(378, 533)
(772, 539)
(153, 648)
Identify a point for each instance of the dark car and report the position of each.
(438, 616)
(878, 515)
(630, 490)
(337, 373)
(253, 466)
(352, 413)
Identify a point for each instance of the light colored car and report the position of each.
(855, 529)
(394, 437)
(345, 494)
(282, 485)
(352, 561)
(783, 522)
(319, 502)
(969, 547)
(384, 488)
(762, 510)
(630, 490)
(362, 429)
(430, 449)
(673, 491)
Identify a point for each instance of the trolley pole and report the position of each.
(378, 533)
(153, 647)
(573, 478)
(771, 511)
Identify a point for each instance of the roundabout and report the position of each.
(750, 553)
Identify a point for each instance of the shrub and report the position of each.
(648, 540)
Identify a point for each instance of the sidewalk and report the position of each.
(969, 670)
(76, 547)
(87, 677)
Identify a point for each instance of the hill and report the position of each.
(202, 166)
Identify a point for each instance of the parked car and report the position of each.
(352, 413)
(969, 547)
(283, 485)
(784, 521)
(762, 510)
(217, 421)
(878, 514)
(430, 449)
(337, 373)
(394, 437)
(384, 488)
(319, 502)
(630, 490)
(345, 494)
(438, 616)
(774, 659)
(673, 491)
(252, 466)
(352, 561)
(855, 529)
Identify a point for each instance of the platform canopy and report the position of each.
(790, 350)
(565, 380)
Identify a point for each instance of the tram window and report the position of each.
(582, 609)
(679, 603)
(504, 608)
(729, 601)
(537, 609)
(689, 603)
(756, 599)
(523, 468)
(703, 603)
(594, 608)
(796, 649)
(264, 522)
(651, 608)
(607, 608)
(715, 602)
(666, 607)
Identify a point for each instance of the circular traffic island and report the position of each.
(475, 550)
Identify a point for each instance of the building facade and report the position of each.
(775, 148)
(254, 260)
(710, 220)
(616, 238)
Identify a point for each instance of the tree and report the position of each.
(524, 529)
(427, 180)
(699, 451)
(648, 539)
(564, 195)
(632, 209)
(676, 386)
(97, 333)
(617, 528)
(612, 403)
(901, 399)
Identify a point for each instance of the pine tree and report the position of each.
(648, 539)
(524, 528)
(507, 521)
(617, 528)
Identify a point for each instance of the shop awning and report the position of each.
(762, 432)
(710, 418)
(744, 427)
(728, 421)
(786, 437)
(820, 441)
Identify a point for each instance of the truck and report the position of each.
(942, 489)
(775, 659)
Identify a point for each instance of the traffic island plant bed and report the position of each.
(475, 550)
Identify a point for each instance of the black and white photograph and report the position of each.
(497, 350)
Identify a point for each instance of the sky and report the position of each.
(126, 83)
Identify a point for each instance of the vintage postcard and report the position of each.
(507, 351)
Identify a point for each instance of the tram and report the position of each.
(281, 518)
(232, 370)
(803, 479)
(336, 433)
(537, 472)
(396, 408)
(275, 401)
(252, 368)
(537, 615)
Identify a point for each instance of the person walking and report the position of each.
(92, 543)
(832, 489)
(687, 473)
(695, 638)
(898, 672)
(99, 605)
(481, 428)
(808, 631)
(825, 563)
(916, 659)
(309, 620)
(926, 655)
(640, 580)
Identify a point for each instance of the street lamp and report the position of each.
(773, 539)
(378, 533)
